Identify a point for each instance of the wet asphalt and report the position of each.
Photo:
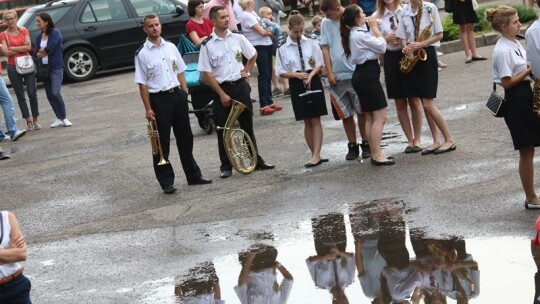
(100, 230)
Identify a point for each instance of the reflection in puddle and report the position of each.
(367, 254)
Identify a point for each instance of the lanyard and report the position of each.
(301, 55)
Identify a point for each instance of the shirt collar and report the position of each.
(290, 41)
(388, 12)
(150, 45)
(226, 35)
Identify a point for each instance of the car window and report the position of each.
(100, 10)
(158, 7)
(28, 19)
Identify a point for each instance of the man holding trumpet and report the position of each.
(159, 72)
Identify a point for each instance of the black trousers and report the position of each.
(238, 91)
(171, 110)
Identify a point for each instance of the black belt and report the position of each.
(169, 91)
(236, 82)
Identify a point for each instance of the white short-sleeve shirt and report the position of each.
(406, 28)
(157, 66)
(288, 55)
(389, 25)
(247, 21)
(365, 46)
(322, 272)
(223, 57)
(262, 288)
(532, 36)
(509, 59)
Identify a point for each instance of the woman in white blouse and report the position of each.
(511, 71)
(300, 60)
(423, 80)
(389, 11)
(364, 47)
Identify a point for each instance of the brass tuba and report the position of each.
(407, 63)
(153, 134)
(238, 145)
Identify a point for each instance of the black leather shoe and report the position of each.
(264, 166)
(170, 189)
(388, 162)
(225, 173)
(201, 181)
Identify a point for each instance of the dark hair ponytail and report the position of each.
(347, 21)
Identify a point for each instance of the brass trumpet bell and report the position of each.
(153, 134)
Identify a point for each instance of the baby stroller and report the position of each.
(201, 94)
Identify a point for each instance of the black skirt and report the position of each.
(463, 12)
(367, 85)
(310, 106)
(523, 124)
(422, 81)
(395, 86)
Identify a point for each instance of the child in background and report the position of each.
(267, 22)
(316, 23)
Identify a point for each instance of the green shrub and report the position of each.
(451, 30)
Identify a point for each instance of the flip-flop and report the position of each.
(479, 58)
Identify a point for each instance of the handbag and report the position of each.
(448, 6)
(24, 65)
(42, 70)
(496, 103)
(186, 46)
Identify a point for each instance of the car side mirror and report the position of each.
(179, 10)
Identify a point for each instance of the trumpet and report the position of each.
(153, 134)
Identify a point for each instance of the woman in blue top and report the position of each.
(48, 49)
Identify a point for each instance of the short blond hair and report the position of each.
(265, 10)
(316, 20)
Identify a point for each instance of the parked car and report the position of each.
(104, 34)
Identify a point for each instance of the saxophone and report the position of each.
(238, 145)
(536, 96)
(407, 63)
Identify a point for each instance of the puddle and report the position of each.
(364, 253)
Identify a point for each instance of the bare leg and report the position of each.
(378, 119)
(362, 122)
(315, 140)
(308, 134)
(404, 121)
(471, 39)
(349, 125)
(526, 173)
(431, 110)
(416, 115)
(463, 35)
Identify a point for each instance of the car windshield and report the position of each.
(27, 19)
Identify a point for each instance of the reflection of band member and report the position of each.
(257, 282)
(400, 281)
(221, 62)
(332, 268)
(199, 286)
(159, 71)
(453, 272)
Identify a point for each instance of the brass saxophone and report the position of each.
(153, 134)
(536, 96)
(407, 63)
(238, 145)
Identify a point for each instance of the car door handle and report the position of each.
(90, 29)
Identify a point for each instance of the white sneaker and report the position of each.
(282, 14)
(439, 54)
(57, 123)
(67, 123)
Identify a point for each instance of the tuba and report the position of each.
(238, 145)
(153, 134)
(407, 63)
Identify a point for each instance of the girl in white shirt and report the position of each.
(300, 60)
(423, 80)
(363, 48)
(511, 71)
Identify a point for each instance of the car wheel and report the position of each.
(80, 64)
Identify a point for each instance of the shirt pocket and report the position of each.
(153, 71)
(216, 59)
(173, 63)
